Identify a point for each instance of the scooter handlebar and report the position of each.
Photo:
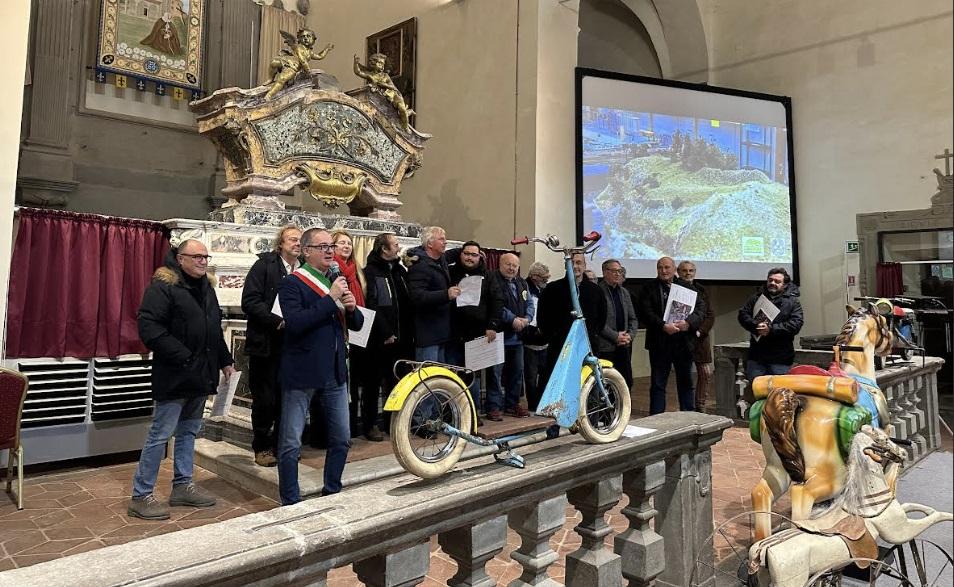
(520, 241)
(592, 237)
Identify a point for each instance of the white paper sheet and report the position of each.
(764, 311)
(681, 303)
(225, 394)
(480, 354)
(277, 308)
(469, 291)
(634, 431)
(360, 337)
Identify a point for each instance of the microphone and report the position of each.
(334, 271)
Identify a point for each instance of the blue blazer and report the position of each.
(315, 347)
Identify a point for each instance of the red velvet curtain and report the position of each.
(76, 281)
(890, 283)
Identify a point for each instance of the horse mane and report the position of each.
(781, 408)
(849, 327)
(852, 498)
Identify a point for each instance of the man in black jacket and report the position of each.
(554, 319)
(180, 322)
(772, 342)
(506, 381)
(470, 322)
(432, 296)
(263, 339)
(669, 342)
(392, 334)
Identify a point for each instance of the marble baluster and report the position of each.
(536, 524)
(593, 563)
(640, 547)
(471, 547)
(403, 568)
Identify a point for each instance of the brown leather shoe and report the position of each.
(495, 416)
(265, 458)
(518, 412)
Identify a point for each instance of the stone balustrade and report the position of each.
(384, 528)
(910, 388)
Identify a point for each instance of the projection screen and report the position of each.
(687, 171)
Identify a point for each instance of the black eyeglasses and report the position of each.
(617, 271)
(197, 258)
(322, 247)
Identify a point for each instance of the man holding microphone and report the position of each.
(318, 309)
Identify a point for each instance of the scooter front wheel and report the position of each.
(600, 423)
(421, 447)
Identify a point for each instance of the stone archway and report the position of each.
(676, 35)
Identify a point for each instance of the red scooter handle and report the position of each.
(520, 241)
(592, 237)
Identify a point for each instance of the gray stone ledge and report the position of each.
(293, 545)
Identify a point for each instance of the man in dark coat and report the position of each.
(669, 342)
(506, 381)
(702, 349)
(180, 322)
(317, 312)
(615, 342)
(392, 334)
(554, 319)
(772, 342)
(263, 340)
(470, 322)
(432, 296)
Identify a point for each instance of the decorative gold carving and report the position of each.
(285, 66)
(331, 185)
(380, 82)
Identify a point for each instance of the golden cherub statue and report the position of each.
(379, 81)
(294, 59)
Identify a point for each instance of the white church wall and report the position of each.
(871, 88)
(14, 32)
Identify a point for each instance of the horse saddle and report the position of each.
(852, 530)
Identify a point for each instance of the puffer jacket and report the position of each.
(185, 337)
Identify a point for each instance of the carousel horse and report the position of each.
(863, 513)
(805, 420)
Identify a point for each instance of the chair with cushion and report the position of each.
(13, 390)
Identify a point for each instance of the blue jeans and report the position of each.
(661, 361)
(755, 369)
(510, 372)
(182, 417)
(332, 398)
(434, 352)
(455, 356)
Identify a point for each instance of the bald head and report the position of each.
(193, 257)
(509, 265)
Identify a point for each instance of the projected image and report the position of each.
(709, 190)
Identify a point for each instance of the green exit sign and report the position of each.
(852, 246)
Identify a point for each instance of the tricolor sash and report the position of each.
(318, 283)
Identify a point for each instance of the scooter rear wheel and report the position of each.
(419, 445)
(599, 423)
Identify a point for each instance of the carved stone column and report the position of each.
(593, 564)
(685, 516)
(536, 524)
(396, 569)
(641, 548)
(471, 547)
(45, 175)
